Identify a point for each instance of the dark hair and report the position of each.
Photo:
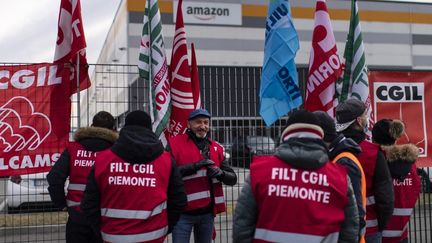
(103, 119)
(387, 131)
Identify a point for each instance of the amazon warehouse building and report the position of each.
(229, 40)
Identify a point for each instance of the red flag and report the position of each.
(181, 88)
(324, 64)
(71, 41)
(34, 117)
(195, 80)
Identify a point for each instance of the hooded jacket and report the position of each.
(382, 182)
(92, 139)
(136, 145)
(342, 144)
(304, 153)
(400, 158)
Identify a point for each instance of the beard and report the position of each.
(200, 133)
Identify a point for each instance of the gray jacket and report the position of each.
(304, 153)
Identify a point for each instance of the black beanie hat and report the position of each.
(302, 116)
(387, 131)
(302, 123)
(327, 124)
(138, 118)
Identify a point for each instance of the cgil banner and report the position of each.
(35, 111)
(406, 96)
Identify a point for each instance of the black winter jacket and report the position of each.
(382, 182)
(342, 144)
(304, 153)
(92, 139)
(136, 145)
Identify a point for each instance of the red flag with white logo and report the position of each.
(181, 87)
(324, 64)
(195, 80)
(71, 43)
(34, 116)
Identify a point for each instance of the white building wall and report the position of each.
(404, 44)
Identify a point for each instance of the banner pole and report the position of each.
(150, 64)
(78, 91)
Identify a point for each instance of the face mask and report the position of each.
(366, 127)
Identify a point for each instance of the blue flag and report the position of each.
(279, 91)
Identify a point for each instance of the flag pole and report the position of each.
(78, 91)
(150, 81)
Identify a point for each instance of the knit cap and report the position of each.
(302, 123)
(138, 118)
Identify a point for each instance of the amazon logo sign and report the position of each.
(210, 13)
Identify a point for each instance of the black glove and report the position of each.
(203, 163)
(214, 172)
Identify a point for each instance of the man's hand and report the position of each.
(214, 172)
(203, 163)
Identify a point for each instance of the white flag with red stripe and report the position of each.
(71, 41)
(195, 80)
(181, 88)
(153, 68)
(324, 64)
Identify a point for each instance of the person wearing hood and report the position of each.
(204, 168)
(406, 183)
(75, 162)
(344, 151)
(297, 194)
(352, 122)
(134, 192)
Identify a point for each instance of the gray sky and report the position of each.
(28, 29)
(408, 1)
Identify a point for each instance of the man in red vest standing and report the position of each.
(76, 162)
(297, 194)
(344, 151)
(406, 183)
(134, 192)
(352, 121)
(203, 167)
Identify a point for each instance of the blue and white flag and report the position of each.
(279, 91)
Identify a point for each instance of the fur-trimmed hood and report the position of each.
(400, 159)
(96, 132)
(405, 153)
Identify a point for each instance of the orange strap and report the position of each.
(363, 180)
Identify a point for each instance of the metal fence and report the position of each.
(231, 96)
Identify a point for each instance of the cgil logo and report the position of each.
(23, 79)
(205, 13)
(399, 92)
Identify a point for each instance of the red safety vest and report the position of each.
(406, 194)
(197, 186)
(296, 205)
(133, 198)
(368, 158)
(80, 164)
